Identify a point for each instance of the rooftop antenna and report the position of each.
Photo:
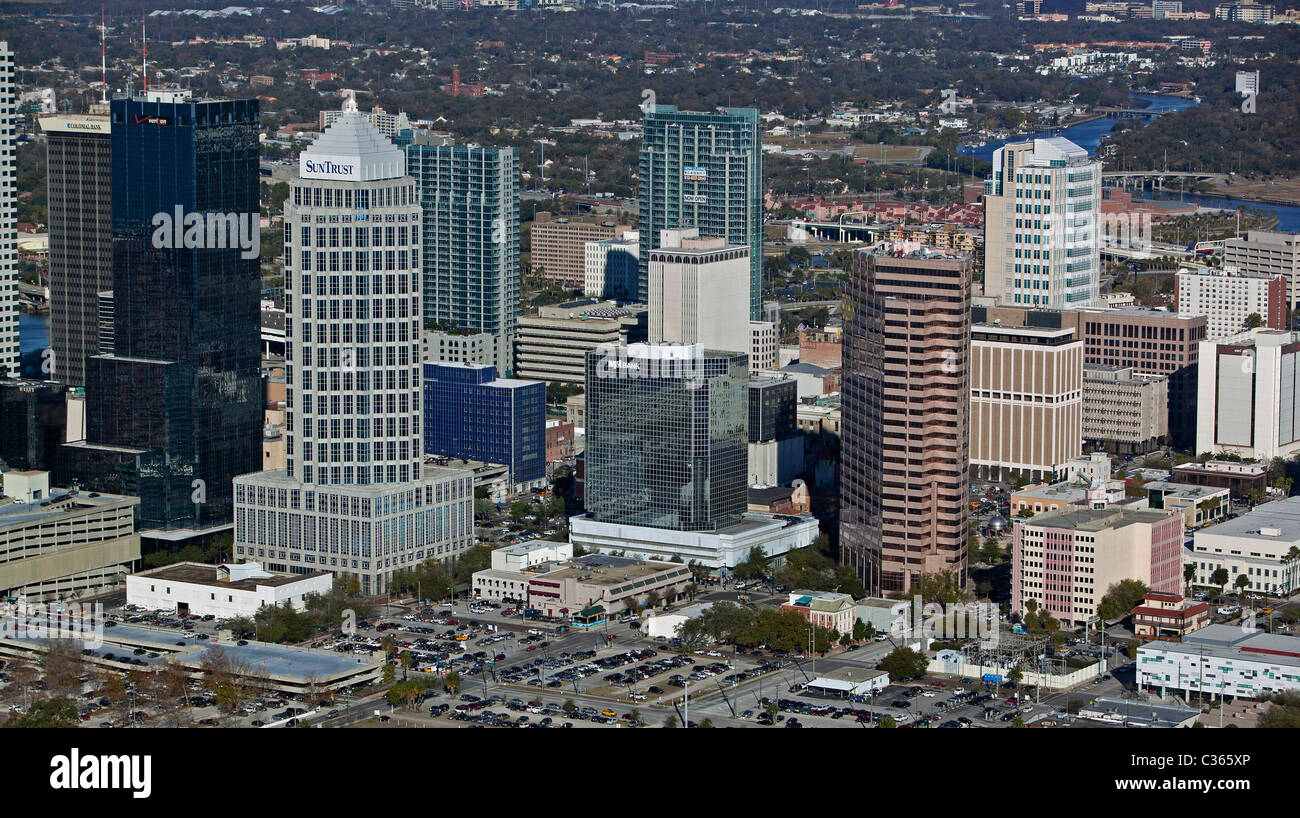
(144, 54)
(103, 57)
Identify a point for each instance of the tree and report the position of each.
(451, 682)
(706, 723)
(49, 713)
(1189, 574)
(1242, 582)
(944, 586)
(861, 630)
(1220, 578)
(754, 564)
(904, 663)
(518, 511)
(670, 722)
(888, 723)
(1121, 598)
(1254, 320)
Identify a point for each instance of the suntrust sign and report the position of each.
(342, 168)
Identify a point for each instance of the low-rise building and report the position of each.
(1200, 505)
(1123, 410)
(1168, 616)
(1240, 479)
(1219, 661)
(1067, 560)
(223, 591)
(477, 348)
(1263, 545)
(62, 543)
(824, 609)
(568, 585)
(1045, 497)
(1088, 469)
(822, 346)
(775, 534)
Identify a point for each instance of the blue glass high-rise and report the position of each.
(472, 414)
(177, 403)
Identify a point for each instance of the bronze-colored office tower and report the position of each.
(906, 392)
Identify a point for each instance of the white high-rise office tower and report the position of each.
(697, 291)
(1042, 214)
(354, 497)
(8, 219)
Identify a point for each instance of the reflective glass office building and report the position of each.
(666, 431)
(178, 400)
(472, 414)
(703, 170)
(470, 198)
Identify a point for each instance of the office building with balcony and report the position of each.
(1122, 411)
(905, 452)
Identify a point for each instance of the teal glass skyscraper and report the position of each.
(703, 170)
(470, 198)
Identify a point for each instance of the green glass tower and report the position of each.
(703, 170)
(470, 198)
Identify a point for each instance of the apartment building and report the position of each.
(1026, 400)
(559, 247)
(1067, 560)
(1230, 299)
(1267, 252)
(1124, 411)
(1219, 661)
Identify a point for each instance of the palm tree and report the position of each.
(1189, 574)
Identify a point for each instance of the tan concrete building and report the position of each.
(59, 544)
(559, 247)
(1026, 400)
(552, 345)
(906, 396)
(1124, 411)
(1152, 342)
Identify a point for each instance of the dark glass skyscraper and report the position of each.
(178, 401)
(80, 192)
(703, 170)
(666, 436)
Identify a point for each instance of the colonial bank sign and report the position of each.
(317, 166)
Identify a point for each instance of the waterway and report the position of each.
(1087, 135)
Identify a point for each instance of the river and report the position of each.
(1088, 135)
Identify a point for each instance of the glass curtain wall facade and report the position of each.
(470, 198)
(666, 436)
(471, 414)
(702, 170)
(179, 398)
